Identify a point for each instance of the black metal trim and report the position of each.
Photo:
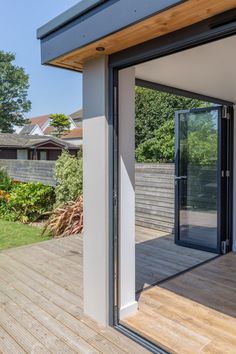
(140, 340)
(176, 91)
(231, 178)
(114, 95)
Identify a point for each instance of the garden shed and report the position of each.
(181, 47)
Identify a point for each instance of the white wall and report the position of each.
(127, 304)
(95, 167)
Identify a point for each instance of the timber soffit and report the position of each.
(100, 27)
(93, 23)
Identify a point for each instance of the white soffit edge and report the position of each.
(208, 69)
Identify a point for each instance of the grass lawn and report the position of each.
(13, 234)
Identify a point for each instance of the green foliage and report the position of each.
(69, 177)
(27, 202)
(5, 180)
(14, 234)
(61, 124)
(153, 108)
(160, 148)
(200, 145)
(14, 84)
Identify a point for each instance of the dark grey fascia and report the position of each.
(74, 12)
(103, 19)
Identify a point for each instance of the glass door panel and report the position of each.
(198, 179)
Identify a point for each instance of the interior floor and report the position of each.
(158, 257)
(193, 312)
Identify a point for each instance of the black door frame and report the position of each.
(218, 27)
(223, 179)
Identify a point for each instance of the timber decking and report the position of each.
(192, 313)
(41, 303)
(158, 257)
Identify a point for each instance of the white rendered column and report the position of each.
(95, 168)
(127, 304)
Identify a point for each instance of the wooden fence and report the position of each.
(154, 191)
(30, 170)
(154, 185)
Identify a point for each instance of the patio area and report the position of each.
(158, 257)
(41, 300)
(41, 303)
(193, 312)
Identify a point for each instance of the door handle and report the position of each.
(179, 178)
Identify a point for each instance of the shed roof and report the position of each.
(30, 141)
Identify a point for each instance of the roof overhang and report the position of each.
(93, 28)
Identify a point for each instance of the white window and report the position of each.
(22, 154)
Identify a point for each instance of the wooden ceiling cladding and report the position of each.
(175, 18)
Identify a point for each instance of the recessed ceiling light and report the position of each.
(100, 49)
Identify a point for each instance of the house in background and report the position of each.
(31, 129)
(77, 117)
(33, 147)
(75, 136)
(40, 125)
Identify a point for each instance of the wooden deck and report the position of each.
(193, 312)
(41, 303)
(158, 257)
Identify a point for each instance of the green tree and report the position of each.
(200, 145)
(61, 123)
(14, 84)
(160, 148)
(153, 108)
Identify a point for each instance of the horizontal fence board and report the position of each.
(30, 170)
(154, 196)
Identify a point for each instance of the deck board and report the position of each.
(41, 303)
(158, 257)
(194, 312)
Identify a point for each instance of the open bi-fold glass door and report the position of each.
(202, 178)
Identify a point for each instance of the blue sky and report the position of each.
(51, 90)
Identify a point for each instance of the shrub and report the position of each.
(69, 177)
(67, 220)
(28, 201)
(5, 180)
